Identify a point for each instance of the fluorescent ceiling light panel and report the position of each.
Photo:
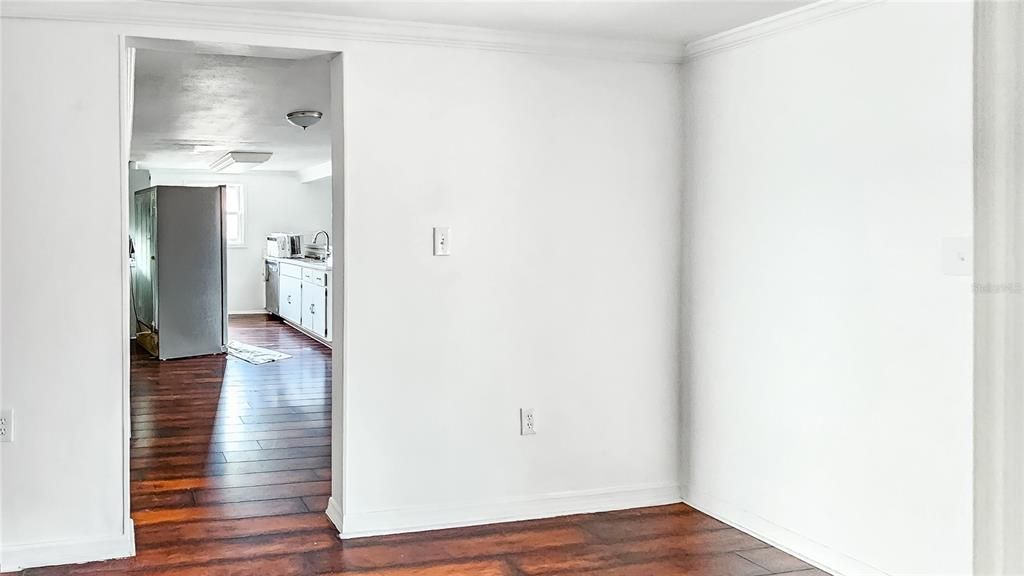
(203, 148)
(235, 162)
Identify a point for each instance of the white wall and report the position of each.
(274, 202)
(827, 383)
(63, 319)
(561, 179)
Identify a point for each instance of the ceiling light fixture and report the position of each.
(304, 118)
(235, 162)
(204, 148)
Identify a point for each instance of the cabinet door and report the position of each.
(314, 308)
(320, 311)
(307, 305)
(291, 299)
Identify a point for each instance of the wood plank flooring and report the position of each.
(230, 470)
(216, 438)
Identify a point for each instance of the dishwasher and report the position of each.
(272, 276)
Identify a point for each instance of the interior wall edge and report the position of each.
(337, 305)
(998, 514)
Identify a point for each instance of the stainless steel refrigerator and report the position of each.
(179, 283)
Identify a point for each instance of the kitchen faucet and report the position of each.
(327, 247)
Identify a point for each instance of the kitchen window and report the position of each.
(234, 215)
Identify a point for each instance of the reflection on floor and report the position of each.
(230, 476)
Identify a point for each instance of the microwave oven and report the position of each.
(284, 245)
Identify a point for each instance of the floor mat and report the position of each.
(254, 354)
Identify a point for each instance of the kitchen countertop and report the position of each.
(304, 262)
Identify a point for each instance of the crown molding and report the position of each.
(190, 15)
(773, 25)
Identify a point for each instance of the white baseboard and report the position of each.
(17, 557)
(334, 513)
(436, 517)
(804, 548)
(246, 312)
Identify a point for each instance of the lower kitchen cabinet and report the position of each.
(314, 308)
(303, 297)
(291, 299)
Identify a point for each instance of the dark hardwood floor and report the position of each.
(230, 470)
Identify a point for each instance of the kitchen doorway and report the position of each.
(245, 435)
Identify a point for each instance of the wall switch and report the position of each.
(442, 241)
(6, 425)
(527, 423)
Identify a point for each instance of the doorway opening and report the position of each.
(231, 270)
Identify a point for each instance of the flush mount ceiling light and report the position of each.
(204, 148)
(304, 118)
(235, 162)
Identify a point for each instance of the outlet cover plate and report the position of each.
(527, 422)
(6, 425)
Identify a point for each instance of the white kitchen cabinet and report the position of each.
(314, 308)
(291, 299)
(304, 297)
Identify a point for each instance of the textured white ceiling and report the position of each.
(658, 20)
(238, 102)
(184, 99)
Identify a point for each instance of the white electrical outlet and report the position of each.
(527, 422)
(442, 241)
(6, 425)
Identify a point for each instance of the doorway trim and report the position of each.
(126, 92)
(339, 295)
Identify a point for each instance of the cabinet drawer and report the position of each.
(291, 270)
(318, 277)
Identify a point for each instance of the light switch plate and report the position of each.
(442, 241)
(958, 256)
